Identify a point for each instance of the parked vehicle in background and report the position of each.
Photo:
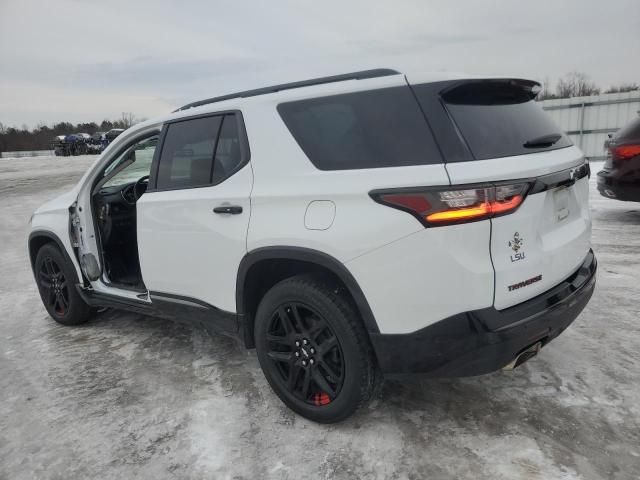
(97, 143)
(97, 137)
(59, 146)
(113, 133)
(620, 177)
(83, 143)
(73, 144)
(346, 227)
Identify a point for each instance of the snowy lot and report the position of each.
(128, 396)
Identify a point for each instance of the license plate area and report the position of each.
(553, 236)
(561, 203)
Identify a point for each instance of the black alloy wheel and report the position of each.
(55, 286)
(306, 353)
(56, 279)
(313, 348)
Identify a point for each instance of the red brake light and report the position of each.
(415, 203)
(624, 152)
(506, 205)
(457, 205)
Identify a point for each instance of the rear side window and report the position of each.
(500, 119)
(228, 153)
(372, 129)
(199, 152)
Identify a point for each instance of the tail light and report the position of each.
(456, 204)
(624, 152)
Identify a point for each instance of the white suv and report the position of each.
(346, 227)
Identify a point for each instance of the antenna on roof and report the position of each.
(375, 73)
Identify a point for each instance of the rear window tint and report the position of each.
(497, 119)
(372, 129)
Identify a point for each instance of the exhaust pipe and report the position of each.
(523, 356)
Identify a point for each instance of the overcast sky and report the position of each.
(90, 60)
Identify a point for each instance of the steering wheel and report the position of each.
(140, 187)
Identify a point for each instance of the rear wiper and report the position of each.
(543, 141)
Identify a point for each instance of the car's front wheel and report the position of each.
(314, 349)
(56, 280)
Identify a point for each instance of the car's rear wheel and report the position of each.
(314, 349)
(56, 280)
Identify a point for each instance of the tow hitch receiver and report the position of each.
(523, 356)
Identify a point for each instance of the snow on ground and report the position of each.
(133, 397)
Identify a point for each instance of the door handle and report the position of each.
(229, 209)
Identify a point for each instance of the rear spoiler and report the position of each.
(490, 91)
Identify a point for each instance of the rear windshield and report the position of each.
(371, 129)
(501, 119)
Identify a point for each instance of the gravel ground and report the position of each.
(129, 396)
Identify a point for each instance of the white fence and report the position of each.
(35, 153)
(588, 120)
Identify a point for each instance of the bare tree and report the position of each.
(546, 92)
(576, 84)
(128, 119)
(623, 87)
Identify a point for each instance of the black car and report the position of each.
(620, 176)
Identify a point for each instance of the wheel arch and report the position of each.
(39, 238)
(293, 261)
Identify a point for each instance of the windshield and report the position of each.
(141, 155)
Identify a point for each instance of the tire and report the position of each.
(56, 279)
(335, 371)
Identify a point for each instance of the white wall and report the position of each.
(594, 116)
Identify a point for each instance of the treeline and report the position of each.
(574, 84)
(40, 138)
(578, 84)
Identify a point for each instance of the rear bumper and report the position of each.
(611, 187)
(482, 341)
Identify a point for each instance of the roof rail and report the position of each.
(375, 73)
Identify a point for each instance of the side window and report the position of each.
(228, 153)
(370, 129)
(199, 152)
(187, 153)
